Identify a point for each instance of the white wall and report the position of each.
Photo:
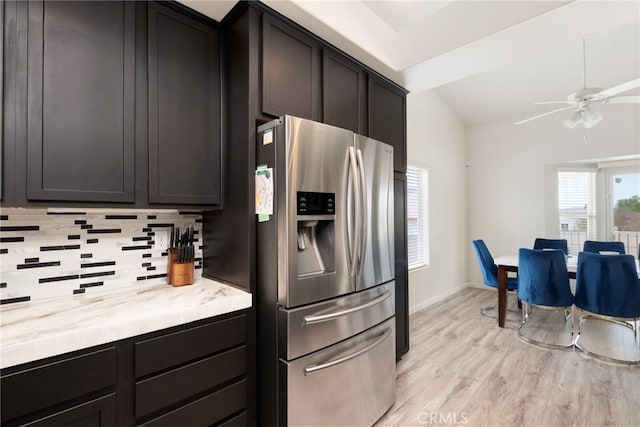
(506, 175)
(436, 140)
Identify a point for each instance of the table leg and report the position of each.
(502, 295)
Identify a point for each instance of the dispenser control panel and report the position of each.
(312, 203)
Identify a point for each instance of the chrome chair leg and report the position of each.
(492, 311)
(626, 323)
(527, 309)
(573, 326)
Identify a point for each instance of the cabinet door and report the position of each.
(184, 109)
(343, 92)
(81, 101)
(402, 277)
(95, 413)
(56, 384)
(290, 71)
(387, 119)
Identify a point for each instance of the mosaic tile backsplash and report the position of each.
(55, 252)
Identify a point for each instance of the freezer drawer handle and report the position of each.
(315, 368)
(308, 320)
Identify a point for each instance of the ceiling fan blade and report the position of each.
(613, 91)
(557, 110)
(624, 99)
(566, 102)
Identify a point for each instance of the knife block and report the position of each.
(179, 274)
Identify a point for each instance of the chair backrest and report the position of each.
(608, 285)
(596, 246)
(487, 265)
(543, 278)
(561, 244)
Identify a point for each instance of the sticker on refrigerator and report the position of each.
(267, 137)
(264, 192)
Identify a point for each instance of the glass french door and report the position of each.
(624, 207)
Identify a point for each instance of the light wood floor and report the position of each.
(464, 370)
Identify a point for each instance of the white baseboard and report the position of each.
(438, 298)
(477, 285)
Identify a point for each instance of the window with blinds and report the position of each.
(577, 207)
(417, 217)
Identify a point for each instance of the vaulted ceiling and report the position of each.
(488, 60)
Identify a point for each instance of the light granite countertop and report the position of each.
(34, 330)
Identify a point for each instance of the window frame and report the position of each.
(608, 226)
(421, 216)
(592, 215)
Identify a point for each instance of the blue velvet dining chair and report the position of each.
(561, 244)
(543, 283)
(490, 275)
(595, 246)
(608, 289)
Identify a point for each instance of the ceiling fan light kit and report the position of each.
(588, 116)
(591, 117)
(573, 120)
(581, 101)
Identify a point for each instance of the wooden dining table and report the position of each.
(507, 263)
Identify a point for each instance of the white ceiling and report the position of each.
(488, 60)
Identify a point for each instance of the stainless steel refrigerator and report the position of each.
(325, 294)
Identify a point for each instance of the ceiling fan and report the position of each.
(581, 101)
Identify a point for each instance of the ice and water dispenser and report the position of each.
(316, 233)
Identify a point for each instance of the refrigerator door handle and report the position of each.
(308, 320)
(363, 212)
(355, 236)
(315, 368)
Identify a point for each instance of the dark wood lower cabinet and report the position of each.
(209, 410)
(54, 383)
(195, 374)
(96, 412)
(179, 384)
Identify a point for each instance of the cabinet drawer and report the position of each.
(160, 391)
(167, 351)
(344, 317)
(207, 410)
(38, 388)
(343, 373)
(237, 421)
(97, 412)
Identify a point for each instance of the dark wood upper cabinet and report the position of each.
(290, 71)
(387, 118)
(344, 100)
(80, 118)
(184, 109)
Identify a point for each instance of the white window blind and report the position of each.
(417, 216)
(577, 207)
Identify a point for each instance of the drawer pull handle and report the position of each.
(324, 317)
(315, 368)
